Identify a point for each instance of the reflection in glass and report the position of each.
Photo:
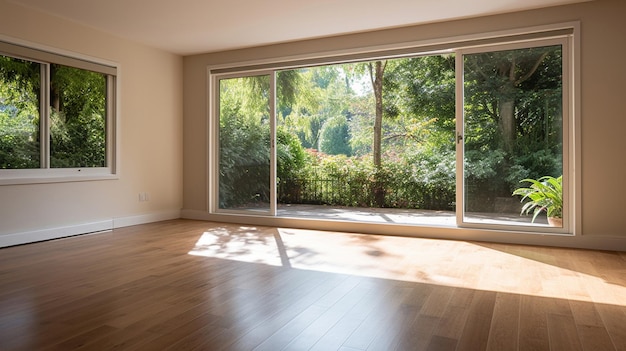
(78, 118)
(513, 129)
(244, 143)
(20, 83)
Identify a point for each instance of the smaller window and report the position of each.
(20, 101)
(57, 117)
(77, 118)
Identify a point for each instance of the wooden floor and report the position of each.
(190, 285)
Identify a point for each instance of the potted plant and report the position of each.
(544, 194)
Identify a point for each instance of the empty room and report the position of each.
(323, 175)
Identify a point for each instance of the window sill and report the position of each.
(49, 178)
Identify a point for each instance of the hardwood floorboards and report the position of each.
(192, 285)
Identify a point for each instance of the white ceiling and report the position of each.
(198, 26)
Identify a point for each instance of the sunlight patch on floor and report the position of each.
(431, 261)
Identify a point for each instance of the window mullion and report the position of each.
(44, 117)
(460, 122)
(110, 123)
(273, 159)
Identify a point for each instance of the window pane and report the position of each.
(20, 83)
(513, 129)
(78, 118)
(326, 141)
(244, 143)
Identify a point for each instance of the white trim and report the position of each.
(55, 233)
(57, 51)
(575, 151)
(211, 157)
(566, 131)
(273, 138)
(459, 139)
(47, 177)
(592, 242)
(213, 120)
(459, 41)
(213, 124)
(113, 123)
(478, 42)
(44, 123)
(45, 174)
(85, 228)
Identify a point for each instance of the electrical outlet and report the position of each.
(144, 197)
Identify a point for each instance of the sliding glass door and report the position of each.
(245, 172)
(511, 130)
(374, 141)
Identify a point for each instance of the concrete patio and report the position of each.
(400, 216)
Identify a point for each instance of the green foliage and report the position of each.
(482, 166)
(331, 108)
(335, 137)
(244, 142)
(543, 194)
(520, 90)
(287, 83)
(533, 164)
(424, 87)
(290, 155)
(319, 94)
(19, 114)
(421, 180)
(77, 120)
(424, 179)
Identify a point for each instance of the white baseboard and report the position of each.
(54, 233)
(85, 228)
(584, 241)
(588, 241)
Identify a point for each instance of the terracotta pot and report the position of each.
(555, 221)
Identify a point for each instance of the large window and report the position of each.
(57, 116)
(444, 136)
(512, 126)
(244, 144)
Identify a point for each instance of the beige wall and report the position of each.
(603, 119)
(150, 134)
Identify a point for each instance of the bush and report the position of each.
(424, 181)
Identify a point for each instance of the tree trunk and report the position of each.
(507, 123)
(506, 101)
(55, 93)
(376, 75)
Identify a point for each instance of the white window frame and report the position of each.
(456, 44)
(46, 56)
(214, 146)
(567, 133)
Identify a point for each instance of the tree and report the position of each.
(513, 120)
(319, 95)
(377, 71)
(19, 113)
(244, 141)
(335, 137)
(77, 117)
(505, 72)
